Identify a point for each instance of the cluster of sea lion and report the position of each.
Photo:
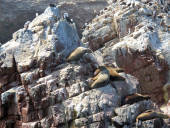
(103, 74)
(101, 78)
(147, 115)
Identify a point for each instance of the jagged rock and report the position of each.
(99, 31)
(64, 96)
(140, 58)
(153, 123)
(140, 45)
(16, 13)
(127, 114)
(40, 89)
(37, 51)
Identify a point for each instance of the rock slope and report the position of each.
(11, 12)
(40, 89)
(134, 35)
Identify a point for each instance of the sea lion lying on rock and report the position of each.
(114, 72)
(101, 78)
(136, 97)
(149, 114)
(78, 53)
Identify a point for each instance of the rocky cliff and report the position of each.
(135, 35)
(14, 13)
(40, 88)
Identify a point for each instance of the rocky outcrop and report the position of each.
(41, 89)
(12, 11)
(134, 35)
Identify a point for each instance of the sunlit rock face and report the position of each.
(134, 35)
(40, 89)
(14, 13)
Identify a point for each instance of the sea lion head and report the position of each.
(103, 69)
(87, 50)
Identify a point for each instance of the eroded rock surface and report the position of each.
(134, 34)
(40, 89)
(12, 11)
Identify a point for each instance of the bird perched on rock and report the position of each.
(52, 5)
(150, 28)
(114, 72)
(36, 14)
(78, 53)
(136, 97)
(149, 114)
(26, 25)
(66, 16)
(102, 78)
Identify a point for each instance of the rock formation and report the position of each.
(12, 11)
(134, 35)
(41, 89)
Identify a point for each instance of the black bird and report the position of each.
(150, 28)
(66, 16)
(52, 5)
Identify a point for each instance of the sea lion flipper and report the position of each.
(95, 78)
(97, 71)
(119, 70)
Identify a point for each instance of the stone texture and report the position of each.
(39, 88)
(127, 114)
(141, 41)
(49, 89)
(12, 11)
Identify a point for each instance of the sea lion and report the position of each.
(136, 97)
(165, 90)
(102, 78)
(114, 72)
(149, 114)
(78, 53)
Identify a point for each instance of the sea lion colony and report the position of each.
(102, 76)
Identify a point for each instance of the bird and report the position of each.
(150, 28)
(52, 5)
(66, 16)
(26, 25)
(36, 14)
